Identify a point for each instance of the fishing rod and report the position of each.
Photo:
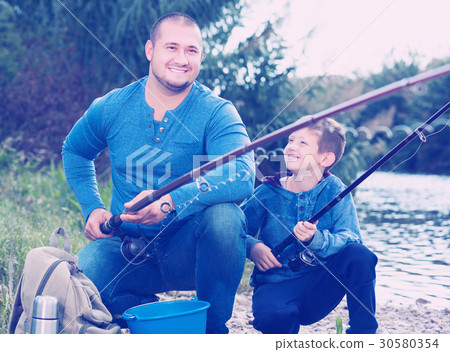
(307, 258)
(114, 222)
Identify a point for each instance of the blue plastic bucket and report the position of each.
(173, 317)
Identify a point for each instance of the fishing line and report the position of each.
(404, 161)
(423, 140)
(434, 133)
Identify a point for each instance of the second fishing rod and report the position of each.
(305, 257)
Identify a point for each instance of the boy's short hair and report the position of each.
(173, 17)
(331, 138)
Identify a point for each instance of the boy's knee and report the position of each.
(359, 261)
(283, 320)
(361, 255)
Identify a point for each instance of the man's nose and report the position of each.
(181, 58)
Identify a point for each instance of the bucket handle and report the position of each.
(129, 316)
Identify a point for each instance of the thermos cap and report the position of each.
(45, 307)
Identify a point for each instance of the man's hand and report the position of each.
(151, 214)
(96, 218)
(263, 258)
(304, 230)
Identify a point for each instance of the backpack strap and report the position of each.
(54, 240)
(47, 275)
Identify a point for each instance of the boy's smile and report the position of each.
(302, 150)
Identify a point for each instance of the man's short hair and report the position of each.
(179, 17)
(331, 138)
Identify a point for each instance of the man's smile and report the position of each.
(177, 69)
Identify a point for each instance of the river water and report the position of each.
(405, 221)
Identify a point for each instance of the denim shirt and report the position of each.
(273, 211)
(146, 154)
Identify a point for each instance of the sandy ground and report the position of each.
(420, 318)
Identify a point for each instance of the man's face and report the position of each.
(175, 56)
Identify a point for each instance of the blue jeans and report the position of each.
(206, 254)
(283, 306)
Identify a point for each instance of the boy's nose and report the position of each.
(289, 149)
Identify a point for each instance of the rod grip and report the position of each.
(286, 242)
(110, 225)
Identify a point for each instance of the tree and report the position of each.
(68, 59)
(252, 78)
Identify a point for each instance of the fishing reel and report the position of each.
(134, 249)
(302, 260)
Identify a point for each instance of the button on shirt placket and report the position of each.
(157, 129)
(151, 126)
(301, 207)
(160, 127)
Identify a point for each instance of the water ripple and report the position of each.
(405, 220)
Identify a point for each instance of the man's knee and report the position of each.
(221, 229)
(223, 218)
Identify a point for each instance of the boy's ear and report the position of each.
(327, 159)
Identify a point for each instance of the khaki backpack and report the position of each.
(53, 272)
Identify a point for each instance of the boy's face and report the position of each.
(302, 152)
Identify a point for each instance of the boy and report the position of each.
(284, 299)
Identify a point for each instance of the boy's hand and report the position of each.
(304, 230)
(151, 214)
(263, 258)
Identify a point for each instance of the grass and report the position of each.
(32, 204)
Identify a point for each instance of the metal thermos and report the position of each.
(45, 315)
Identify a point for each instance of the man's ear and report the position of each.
(149, 50)
(327, 159)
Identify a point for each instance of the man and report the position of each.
(156, 130)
